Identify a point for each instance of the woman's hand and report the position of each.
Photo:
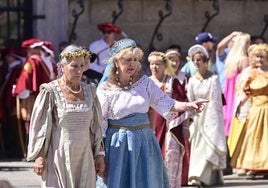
(100, 165)
(196, 106)
(39, 165)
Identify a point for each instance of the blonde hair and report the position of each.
(251, 49)
(135, 51)
(238, 51)
(159, 56)
(257, 48)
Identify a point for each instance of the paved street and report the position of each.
(20, 175)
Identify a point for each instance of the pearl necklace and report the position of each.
(70, 89)
(127, 87)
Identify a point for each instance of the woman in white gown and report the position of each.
(208, 144)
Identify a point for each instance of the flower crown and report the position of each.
(79, 53)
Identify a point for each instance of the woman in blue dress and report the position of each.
(132, 152)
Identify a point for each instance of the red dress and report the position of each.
(160, 128)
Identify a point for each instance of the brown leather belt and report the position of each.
(141, 126)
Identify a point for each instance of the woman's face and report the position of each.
(127, 64)
(73, 71)
(199, 63)
(157, 68)
(259, 59)
(175, 62)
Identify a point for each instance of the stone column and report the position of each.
(55, 25)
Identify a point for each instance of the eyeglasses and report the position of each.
(107, 32)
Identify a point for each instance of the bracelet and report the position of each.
(101, 153)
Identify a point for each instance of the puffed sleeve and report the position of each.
(96, 127)
(252, 76)
(41, 122)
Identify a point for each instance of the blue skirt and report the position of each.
(134, 160)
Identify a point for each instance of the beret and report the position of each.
(109, 27)
(32, 43)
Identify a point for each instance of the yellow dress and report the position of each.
(241, 110)
(251, 152)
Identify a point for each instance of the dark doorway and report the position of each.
(16, 21)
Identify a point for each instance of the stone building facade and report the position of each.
(140, 18)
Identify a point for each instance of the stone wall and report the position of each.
(140, 18)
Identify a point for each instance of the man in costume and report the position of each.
(13, 58)
(101, 48)
(35, 72)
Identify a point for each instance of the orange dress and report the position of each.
(252, 153)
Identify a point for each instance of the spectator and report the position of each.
(207, 40)
(256, 39)
(101, 48)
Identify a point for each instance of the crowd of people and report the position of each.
(94, 118)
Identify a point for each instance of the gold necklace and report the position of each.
(127, 86)
(70, 89)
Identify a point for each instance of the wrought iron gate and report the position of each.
(16, 21)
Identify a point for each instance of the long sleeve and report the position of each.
(96, 127)
(41, 123)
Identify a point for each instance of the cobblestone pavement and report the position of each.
(20, 175)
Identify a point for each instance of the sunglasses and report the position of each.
(107, 32)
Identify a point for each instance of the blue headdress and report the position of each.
(117, 47)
